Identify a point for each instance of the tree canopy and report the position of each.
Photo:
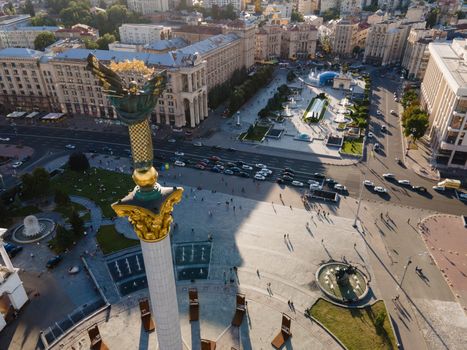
(296, 16)
(104, 41)
(78, 162)
(416, 125)
(40, 21)
(35, 184)
(43, 40)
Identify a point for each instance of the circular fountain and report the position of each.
(342, 282)
(33, 229)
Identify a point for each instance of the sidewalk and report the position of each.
(419, 160)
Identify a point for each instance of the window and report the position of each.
(456, 122)
(171, 110)
(161, 109)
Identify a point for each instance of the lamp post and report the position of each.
(409, 261)
(149, 206)
(359, 203)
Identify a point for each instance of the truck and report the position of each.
(450, 183)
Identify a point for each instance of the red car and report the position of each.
(200, 166)
(215, 158)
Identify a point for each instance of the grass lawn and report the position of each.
(111, 241)
(353, 146)
(356, 328)
(67, 210)
(25, 211)
(101, 186)
(321, 114)
(255, 133)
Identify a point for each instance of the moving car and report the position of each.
(297, 183)
(389, 176)
(70, 146)
(200, 166)
(260, 166)
(380, 189)
(228, 172)
(404, 182)
(260, 177)
(287, 178)
(4, 139)
(171, 140)
(179, 163)
(319, 175)
(54, 261)
(197, 144)
(178, 153)
(368, 183)
(420, 189)
(371, 135)
(439, 188)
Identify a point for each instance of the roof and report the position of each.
(199, 30)
(170, 44)
(20, 52)
(32, 29)
(204, 46)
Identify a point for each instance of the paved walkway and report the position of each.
(420, 160)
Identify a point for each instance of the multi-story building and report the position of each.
(148, 7)
(327, 5)
(343, 36)
(448, 11)
(32, 80)
(293, 41)
(163, 46)
(238, 5)
(14, 21)
(193, 34)
(78, 31)
(268, 42)
(305, 7)
(386, 41)
(444, 96)
(141, 34)
(278, 10)
(299, 41)
(416, 53)
(23, 36)
(350, 7)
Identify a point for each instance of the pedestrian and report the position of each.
(408, 221)
(355, 245)
(288, 236)
(396, 298)
(192, 230)
(285, 236)
(322, 240)
(288, 302)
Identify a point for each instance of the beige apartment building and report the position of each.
(23, 36)
(293, 41)
(386, 41)
(343, 36)
(444, 96)
(64, 84)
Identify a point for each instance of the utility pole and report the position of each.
(409, 261)
(359, 203)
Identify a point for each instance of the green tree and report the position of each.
(77, 224)
(409, 97)
(117, 14)
(460, 15)
(40, 21)
(90, 44)
(5, 218)
(332, 13)
(236, 100)
(291, 76)
(432, 18)
(63, 239)
(43, 40)
(101, 21)
(76, 12)
(28, 8)
(379, 321)
(104, 41)
(61, 198)
(9, 9)
(36, 184)
(78, 162)
(416, 125)
(296, 17)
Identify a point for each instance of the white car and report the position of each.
(246, 167)
(16, 164)
(260, 166)
(260, 177)
(389, 176)
(178, 153)
(404, 182)
(265, 171)
(378, 112)
(297, 183)
(380, 189)
(179, 163)
(70, 146)
(171, 140)
(313, 182)
(340, 187)
(4, 139)
(371, 135)
(368, 183)
(393, 112)
(316, 186)
(197, 144)
(439, 188)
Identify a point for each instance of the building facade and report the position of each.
(23, 36)
(444, 96)
(268, 42)
(141, 34)
(343, 36)
(299, 41)
(148, 7)
(238, 5)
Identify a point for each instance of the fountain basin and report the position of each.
(342, 287)
(33, 229)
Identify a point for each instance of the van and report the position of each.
(450, 183)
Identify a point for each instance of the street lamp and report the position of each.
(409, 261)
(359, 203)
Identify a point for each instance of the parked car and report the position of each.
(244, 174)
(54, 261)
(228, 172)
(383, 128)
(260, 166)
(260, 177)
(380, 189)
(312, 182)
(420, 189)
(297, 183)
(404, 182)
(200, 166)
(371, 135)
(215, 158)
(289, 170)
(216, 169)
(316, 186)
(16, 164)
(330, 181)
(179, 163)
(319, 175)
(4, 139)
(231, 164)
(197, 144)
(376, 147)
(70, 146)
(171, 140)
(439, 188)
(368, 183)
(246, 167)
(286, 173)
(12, 249)
(216, 147)
(231, 149)
(280, 181)
(378, 112)
(287, 178)
(178, 153)
(389, 176)
(266, 171)
(236, 169)
(240, 162)
(340, 187)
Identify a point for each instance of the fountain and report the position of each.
(342, 282)
(33, 229)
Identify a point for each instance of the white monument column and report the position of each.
(161, 282)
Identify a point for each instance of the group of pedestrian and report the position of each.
(291, 305)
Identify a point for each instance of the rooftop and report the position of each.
(200, 29)
(170, 44)
(20, 52)
(7, 20)
(31, 28)
(209, 44)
